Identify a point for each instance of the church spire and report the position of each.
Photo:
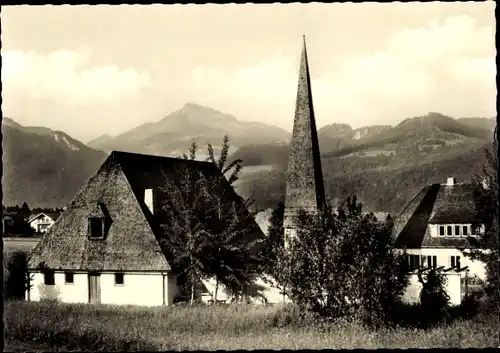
(304, 184)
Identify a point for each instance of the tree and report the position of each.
(208, 227)
(274, 241)
(232, 256)
(486, 247)
(184, 209)
(342, 264)
(433, 297)
(17, 282)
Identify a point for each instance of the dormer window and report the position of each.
(99, 222)
(453, 230)
(96, 228)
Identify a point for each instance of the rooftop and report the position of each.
(449, 203)
(134, 240)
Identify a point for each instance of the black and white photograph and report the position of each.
(249, 176)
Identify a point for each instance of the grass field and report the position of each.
(78, 327)
(23, 244)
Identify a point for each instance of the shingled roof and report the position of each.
(304, 181)
(435, 204)
(133, 241)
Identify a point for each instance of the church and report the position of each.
(433, 227)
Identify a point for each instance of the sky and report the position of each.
(93, 70)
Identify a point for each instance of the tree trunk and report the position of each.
(193, 287)
(216, 289)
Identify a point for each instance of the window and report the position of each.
(68, 278)
(413, 261)
(96, 228)
(48, 278)
(431, 261)
(455, 261)
(119, 279)
(449, 231)
(457, 231)
(465, 230)
(441, 231)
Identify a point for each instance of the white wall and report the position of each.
(77, 292)
(137, 289)
(453, 289)
(147, 289)
(270, 292)
(443, 259)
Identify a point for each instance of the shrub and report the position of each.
(16, 281)
(433, 298)
(341, 264)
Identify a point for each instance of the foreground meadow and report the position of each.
(79, 327)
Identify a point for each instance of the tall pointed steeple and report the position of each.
(304, 183)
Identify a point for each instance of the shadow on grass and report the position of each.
(415, 316)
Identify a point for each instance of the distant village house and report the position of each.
(41, 222)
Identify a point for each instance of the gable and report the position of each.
(130, 244)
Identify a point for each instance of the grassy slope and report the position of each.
(63, 327)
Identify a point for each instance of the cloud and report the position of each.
(447, 66)
(65, 76)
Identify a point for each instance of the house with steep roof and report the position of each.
(108, 245)
(434, 228)
(41, 222)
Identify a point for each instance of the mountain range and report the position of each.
(379, 163)
(173, 135)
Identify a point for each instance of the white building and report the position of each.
(107, 245)
(434, 228)
(41, 222)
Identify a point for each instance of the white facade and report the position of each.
(444, 258)
(41, 223)
(145, 289)
(453, 289)
(270, 294)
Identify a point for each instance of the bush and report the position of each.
(433, 298)
(341, 264)
(16, 281)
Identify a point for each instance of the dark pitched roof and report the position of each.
(454, 204)
(435, 204)
(133, 241)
